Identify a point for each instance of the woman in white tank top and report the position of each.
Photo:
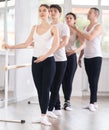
(92, 54)
(46, 41)
(71, 51)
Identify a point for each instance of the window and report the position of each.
(52, 1)
(1, 27)
(56, 1)
(7, 22)
(2, 4)
(105, 41)
(11, 26)
(84, 2)
(81, 17)
(105, 2)
(11, 3)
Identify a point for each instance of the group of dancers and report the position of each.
(54, 60)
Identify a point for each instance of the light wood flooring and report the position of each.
(77, 119)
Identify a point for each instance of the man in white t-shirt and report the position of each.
(61, 61)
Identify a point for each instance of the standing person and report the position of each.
(71, 51)
(45, 37)
(92, 54)
(61, 60)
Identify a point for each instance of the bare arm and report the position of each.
(54, 47)
(80, 57)
(81, 47)
(97, 30)
(27, 43)
(64, 42)
(82, 44)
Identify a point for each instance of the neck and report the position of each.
(44, 22)
(94, 21)
(55, 21)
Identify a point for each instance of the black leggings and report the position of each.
(69, 76)
(43, 74)
(93, 67)
(54, 98)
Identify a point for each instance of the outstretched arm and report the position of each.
(27, 43)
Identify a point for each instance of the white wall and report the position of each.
(25, 17)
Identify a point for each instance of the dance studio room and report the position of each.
(54, 64)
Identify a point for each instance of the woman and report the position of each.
(92, 54)
(71, 51)
(46, 42)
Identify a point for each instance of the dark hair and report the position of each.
(45, 5)
(96, 10)
(57, 7)
(70, 13)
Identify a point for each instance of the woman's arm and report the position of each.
(81, 47)
(27, 43)
(82, 44)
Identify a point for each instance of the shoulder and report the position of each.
(63, 25)
(54, 28)
(33, 28)
(98, 25)
(65, 30)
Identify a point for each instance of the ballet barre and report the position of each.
(13, 121)
(9, 67)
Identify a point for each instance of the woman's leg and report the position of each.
(43, 74)
(48, 76)
(69, 76)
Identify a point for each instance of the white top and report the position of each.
(60, 54)
(93, 47)
(42, 43)
(72, 43)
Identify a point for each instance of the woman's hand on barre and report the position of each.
(6, 46)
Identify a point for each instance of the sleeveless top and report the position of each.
(42, 43)
(72, 43)
(60, 54)
(93, 47)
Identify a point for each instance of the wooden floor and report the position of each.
(77, 119)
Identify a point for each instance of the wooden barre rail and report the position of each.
(16, 66)
(13, 121)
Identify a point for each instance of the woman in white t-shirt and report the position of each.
(46, 41)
